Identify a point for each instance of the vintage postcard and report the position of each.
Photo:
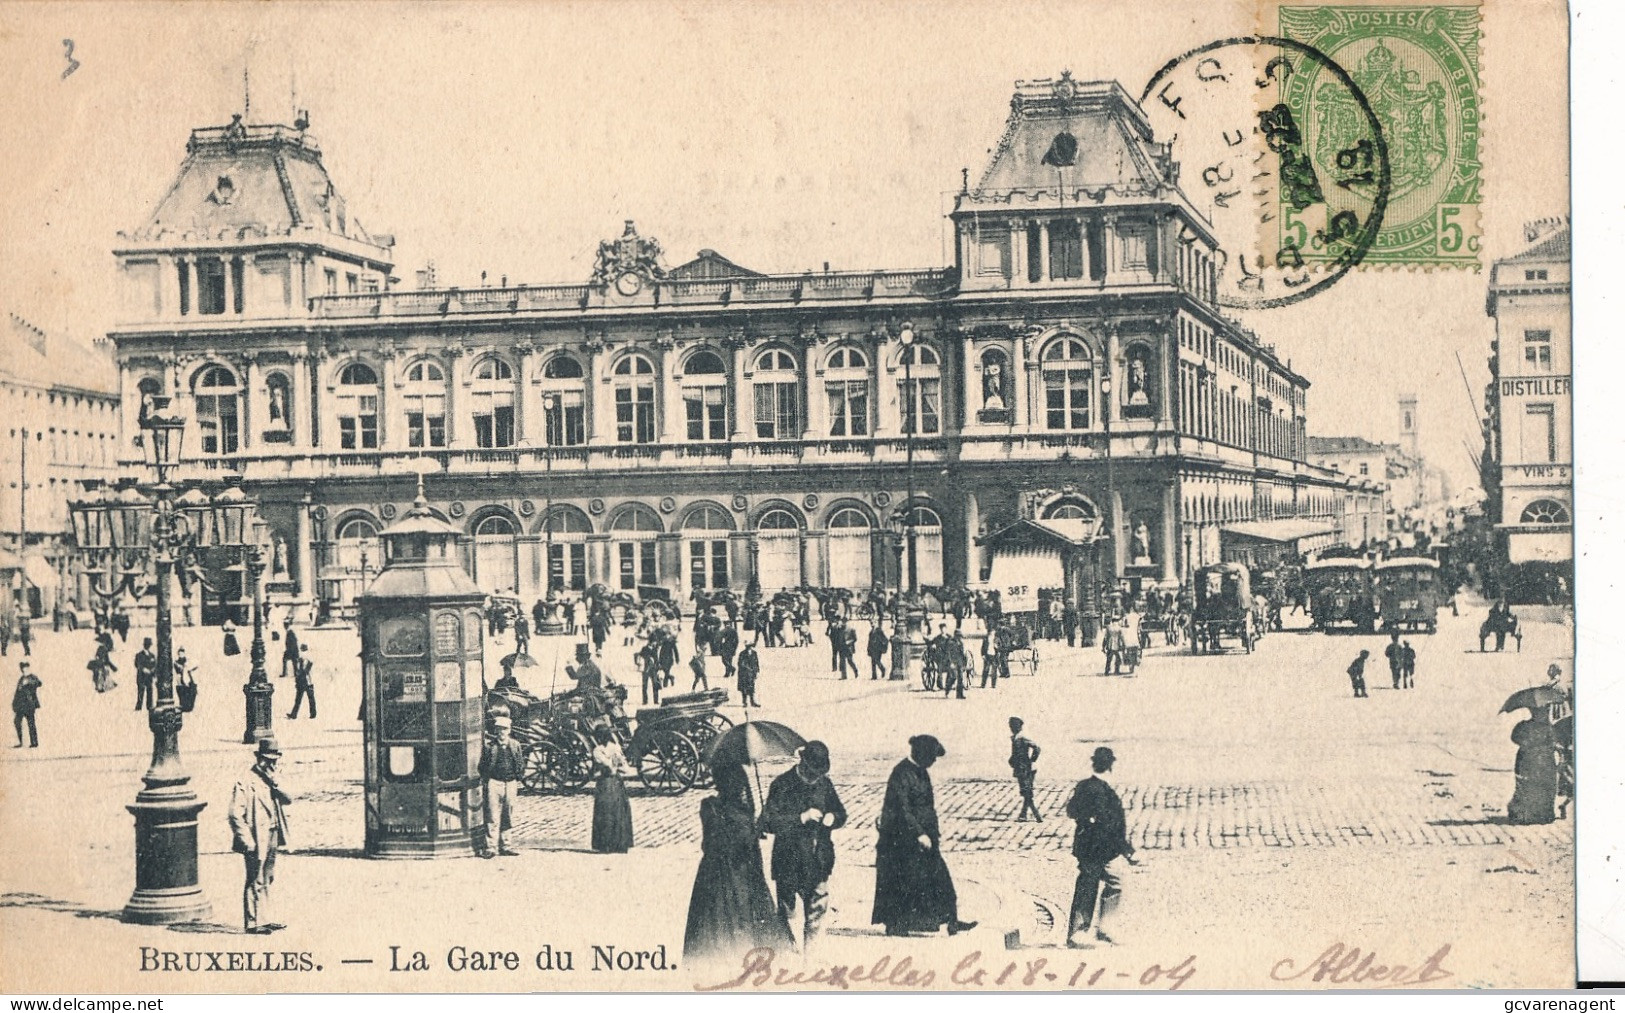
(693, 497)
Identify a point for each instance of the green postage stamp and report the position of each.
(1417, 67)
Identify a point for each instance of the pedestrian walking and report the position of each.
(750, 669)
(1069, 622)
(502, 764)
(146, 669)
(1101, 836)
(951, 662)
(665, 646)
(730, 910)
(5, 631)
(725, 642)
(24, 702)
(521, 634)
(304, 685)
(25, 634)
(599, 622)
(847, 650)
(877, 645)
(696, 664)
(290, 649)
(1112, 645)
(835, 642)
(801, 811)
(1396, 657)
(1357, 674)
(1407, 666)
(1023, 759)
(649, 669)
(228, 640)
(121, 624)
(914, 891)
(611, 812)
(102, 667)
(259, 832)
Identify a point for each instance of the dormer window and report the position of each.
(224, 191)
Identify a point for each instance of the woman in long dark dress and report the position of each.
(1536, 772)
(229, 646)
(914, 892)
(611, 812)
(731, 910)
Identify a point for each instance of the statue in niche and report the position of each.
(993, 384)
(1140, 545)
(279, 556)
(277, 405)
(1139, 377)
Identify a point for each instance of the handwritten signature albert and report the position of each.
(1341, 964)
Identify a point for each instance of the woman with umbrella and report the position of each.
(611, 812)
(1535, 769)
(730, 910)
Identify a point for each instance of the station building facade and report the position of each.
(1065, 405)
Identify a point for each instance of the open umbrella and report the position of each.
(1531, 698)
(518, 661)
(753, 741)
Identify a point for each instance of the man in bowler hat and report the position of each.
(259, 831)
(1101, 836)
(801, 810)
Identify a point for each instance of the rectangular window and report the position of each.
(635, 414)
(993, 255)
(369, 423)
(369, 284)
(424, 430)
(331, 278)
(211, 285)
(708, 564)
(1065, 251)
(1534, 276)
(567, 566)
(1097, 250)
(237, 285)
(1136, 250)
(777, 415)
(567, 421)
(1035, 254)
(925, 414)
(637, 564)
(352, 284)
(184, 272)
(848, 407)
(494, 428)
(347, 432)
(706, 410)
(1066, 400)
(1537, 350)
(1539, 434)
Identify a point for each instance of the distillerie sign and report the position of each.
(1536, 386)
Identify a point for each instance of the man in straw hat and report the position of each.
(1101, 836)
(914, 892)
(801, 810)
(502, 764)
(259, 830)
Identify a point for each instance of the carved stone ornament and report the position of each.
(630, 256)
(457, 509)
(526, 508)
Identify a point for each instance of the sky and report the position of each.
(511, 139)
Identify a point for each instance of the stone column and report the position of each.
(816, 423)
(888, 405)
(1018, 253)
(739, 543)
(230, 284)
(307, 551)
(529, 432)
(1043, 251)
(1108, 370)
(253, 396)
(1169, 534)
(815, 557)
(740, 403)
(1021, 386)
(1168, 368)
(669, 419)
(455, 428)
(600, 400)
(299, 407)
(973, 523)
(600, 568)
(391, 417)
(969, 380)
(188, 296)
(669, 560)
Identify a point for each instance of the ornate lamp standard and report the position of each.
(118, 537)
(910, 409)
(239, 528)
(551, 624)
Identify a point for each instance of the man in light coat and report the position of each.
(259, 830)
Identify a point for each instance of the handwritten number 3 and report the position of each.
(73, 64)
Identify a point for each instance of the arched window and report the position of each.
(919, 392)
(278, 402)
(1070, 510)
(493, 397)
(995, 402)
(1545, 511)
(1068, 371)
(566, 530)
(927, 546)
(778, 550)
(564, 401)
(632, 533)
(706, 530)
(357, 406)
(496, 563)
(777, 385)
(846, 383)
(425, 397)
(214, 408)
(634, 378)
(357, 556)
(705, 396)
(850, 549)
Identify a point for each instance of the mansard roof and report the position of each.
(1088, 138)
(245, 181)
(711, 264)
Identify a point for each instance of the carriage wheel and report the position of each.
(540, 760)
(669, 763)
(573, 767)
(703, 734)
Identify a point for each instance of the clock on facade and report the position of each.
(629, 284)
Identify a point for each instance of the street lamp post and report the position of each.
(118, 536)
(551, 624)
(911, 406)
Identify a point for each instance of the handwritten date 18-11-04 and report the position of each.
(758, 971)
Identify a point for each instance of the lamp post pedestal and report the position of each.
(258, 690)
(551, 625)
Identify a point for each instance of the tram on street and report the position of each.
(1409, 593)
(1340, 594)
(1224, 608)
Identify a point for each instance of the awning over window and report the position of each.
(1018, 573)
(1285, 530)
(1542, 547)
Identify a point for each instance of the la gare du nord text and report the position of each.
(458, 958)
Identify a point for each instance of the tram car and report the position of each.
(1340, 594)
(1410, 592)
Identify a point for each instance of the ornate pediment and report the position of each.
(628, 263)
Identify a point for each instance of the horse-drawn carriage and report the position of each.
(1409, 593)
(1339, 591)
(1224, 608)
(666, 743)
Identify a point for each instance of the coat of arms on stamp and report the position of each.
(1417, 67)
